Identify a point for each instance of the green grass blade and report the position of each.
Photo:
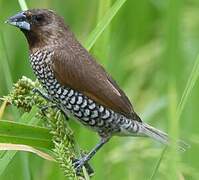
(189, 86)
(101, 26)
(173, 132)
(102, 46)
(5, 158)
(158, 164)
(4, 62)
(6, 68)
(30, 117)
(186, 93)
(26, 174)
(23, 5)
(17, 133)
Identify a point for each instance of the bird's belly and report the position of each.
(85, 110)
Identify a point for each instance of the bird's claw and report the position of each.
(35, 90)
(79, 163)
(43, 109)
(42, 94)
(45, 96)
(46, 107)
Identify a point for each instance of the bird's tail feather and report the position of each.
(145, 129)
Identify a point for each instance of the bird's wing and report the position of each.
(82, 73)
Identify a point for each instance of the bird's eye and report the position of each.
(38, 18)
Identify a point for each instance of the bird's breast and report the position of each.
(41, 62)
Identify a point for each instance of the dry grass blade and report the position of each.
(19, 147)
(2, 109)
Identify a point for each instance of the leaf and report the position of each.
(18, 133)
(20, 147)
(101, 26)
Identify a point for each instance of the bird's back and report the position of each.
(73, 66)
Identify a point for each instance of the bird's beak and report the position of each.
(19, 20)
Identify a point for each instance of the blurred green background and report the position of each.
(149, 48)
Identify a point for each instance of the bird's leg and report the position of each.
(81, 162)
(48, 98)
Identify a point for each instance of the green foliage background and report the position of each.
(150, 48)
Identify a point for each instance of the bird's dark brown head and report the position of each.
(40, 26)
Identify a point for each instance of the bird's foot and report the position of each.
(79, 163)
(48, 98)
(45, 108)
(42, 94)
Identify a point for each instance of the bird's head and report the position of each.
(39, 26)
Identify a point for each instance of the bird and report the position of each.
(81, 87)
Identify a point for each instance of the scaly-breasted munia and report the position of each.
(76, 82)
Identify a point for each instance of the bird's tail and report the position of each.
(144, 129)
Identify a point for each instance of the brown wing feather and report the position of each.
(82, 73)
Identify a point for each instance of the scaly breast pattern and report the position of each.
(93, 115)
